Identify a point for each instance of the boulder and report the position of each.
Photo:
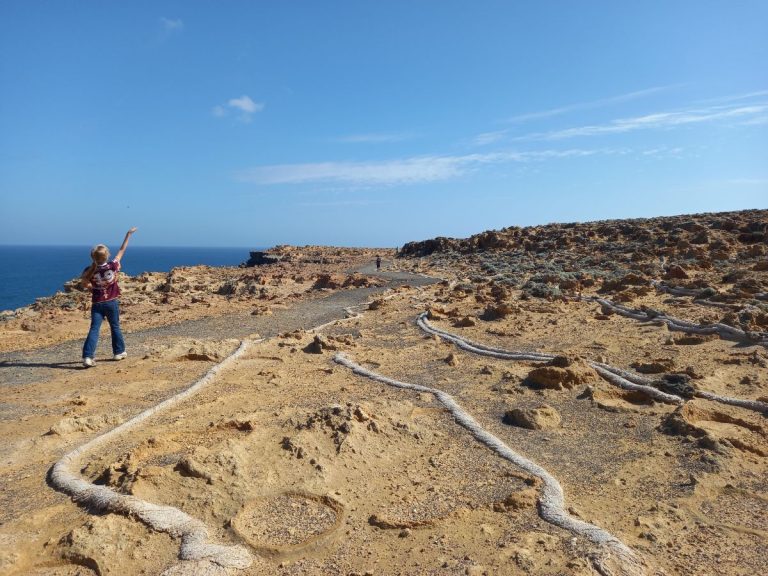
(376, 304)
(657, 366)
(562, 372)
(318, 344)
(542, 417)
(330, 281)
(499, 311)
(676, 272)
(262, 258)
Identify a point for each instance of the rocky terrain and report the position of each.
(184, 293)
(723, 254)
(585, 399)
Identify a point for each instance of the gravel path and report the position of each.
(24, 367)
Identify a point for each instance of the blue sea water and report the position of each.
(29, 272)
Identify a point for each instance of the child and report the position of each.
(101, 278)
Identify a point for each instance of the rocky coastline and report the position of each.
(584, 399)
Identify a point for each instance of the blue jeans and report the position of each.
(111, 311)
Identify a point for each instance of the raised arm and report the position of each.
(120, 252)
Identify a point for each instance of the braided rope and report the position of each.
(677, 290)
(193, 533)
(723, 330)
(552, 499)
(616, 376)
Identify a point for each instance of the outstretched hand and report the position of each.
(120, 252)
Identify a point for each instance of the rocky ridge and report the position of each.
(719, 259)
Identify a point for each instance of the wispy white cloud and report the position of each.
(663, 152)
(653, 121)
(589, 105)
(406, 171)
(419, 169)
(493, 137)
(735, 97)
(335, 203)
(172, 24)
(243, 106)
(372, 138)
(489, 137)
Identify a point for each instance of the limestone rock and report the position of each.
(520, 500)
(435, 313)
(562, 372)
(190, 467)
(541, 417)
(74, 424)
(464, 322)
(318, 344)
(330, 281)
(497, 311)
(676, 272)
(658, 366)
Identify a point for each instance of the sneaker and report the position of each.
(88, 362)
(120, 356)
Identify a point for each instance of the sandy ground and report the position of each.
(317, 470)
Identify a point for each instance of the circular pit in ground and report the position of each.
(288, 522)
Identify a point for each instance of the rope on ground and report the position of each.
(204, 556)
(679, 290)
(194, 535)
(723, 330)
(552, 499)
(477, 348)
(616, 376)
(755, 405)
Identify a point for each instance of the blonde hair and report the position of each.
(99, 254)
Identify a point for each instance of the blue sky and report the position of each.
(245, 123)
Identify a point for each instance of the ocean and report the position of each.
(30, 272)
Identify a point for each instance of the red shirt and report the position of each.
(104, 282)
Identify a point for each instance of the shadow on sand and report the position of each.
(74, 365)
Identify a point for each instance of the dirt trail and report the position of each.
(43, 364)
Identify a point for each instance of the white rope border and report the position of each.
(616, 376)
(697, 294)
(723, 330)
(193, 533)
(552, 500)
(698, 297)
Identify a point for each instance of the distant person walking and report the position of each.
(101, 278)
(378, 262)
